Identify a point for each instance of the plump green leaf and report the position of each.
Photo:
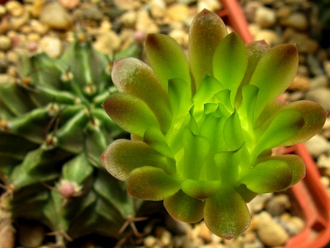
(230, 61)
(184, 208)
(248, 104)
(245, 193)
(199, 189)
(314, 116)
(133, 77)
(274, 73)
(155, 139)
(150, 183)
(196, 148)
(226, 213)
(167, 65)
(268, 176)
(206, 90)
(122, 156)
(285, 125)
(179, 94)
(295, 163)
(130, 113)
(256, 49)
(206, 31)
(233, 134)
(227, 164)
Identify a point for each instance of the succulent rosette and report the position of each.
(202, 128)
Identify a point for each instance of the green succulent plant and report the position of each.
(52, 133)
(202, 129)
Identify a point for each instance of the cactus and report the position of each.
(52, 132)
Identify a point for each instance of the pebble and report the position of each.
(144, 23)
(129, 19)
(125, 5)
(90, 11)
(14, 8)
(165, 238)
(31, 235)
(56, 16)
(52, 46)
(69, 4)
(5, 43)
(299, 83)
(321, 96)
(38, 27)
(149, 241)
(37, 7)
(278, 204)
(318, 82)
(265, 17)
(18, 21)
(314, 65)
(325, 181)
(250, 10)
(107, 43)
(326, 66)
(205, 233)
(318, 145)
(270, 232)
(211, 5)
(269, 36)
(296, 20)
(258, 203)
(292, 224)
(323, 162)
(180, 36)
(3, 10)
(178, 12)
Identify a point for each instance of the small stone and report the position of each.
(321, 96)
(254, 29)
(318, 145)
(12, 57)
(325, 181)
(5, 43)
(7, 233)
(326, 66)
(249, 237)
(269, 36)
(258, 203)
(149, 241)
(211, 5)
(91, 12)
(323, 162)
(296, 96)
(15, 8)
(107, 43)
(303, 70)
(299, 83)
(296, 20)
(19, 21)
(125, 5)
(318, 82)
(178, 12)
(33, 46)
(255, 244)
(292, 224)
(283, 12)
(180, 36)
(265, 17)
(69, 4)
(129, 19)
(38, 27)
(3, 10)
(270, 232)
(250, 9)
(278, 204)
(205, 233)
(37, 7)
(51, 46)
(33, 37)
(165, 238)
(144, 23)
(55, 16)
(314, 65)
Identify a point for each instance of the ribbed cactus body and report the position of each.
(52, 133)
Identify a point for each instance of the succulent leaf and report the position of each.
(184, 208)
(151, 183)
(167, 65)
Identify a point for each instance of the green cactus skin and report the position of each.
(203, 127)
(53, 130)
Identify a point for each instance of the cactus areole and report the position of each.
(202, 128)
